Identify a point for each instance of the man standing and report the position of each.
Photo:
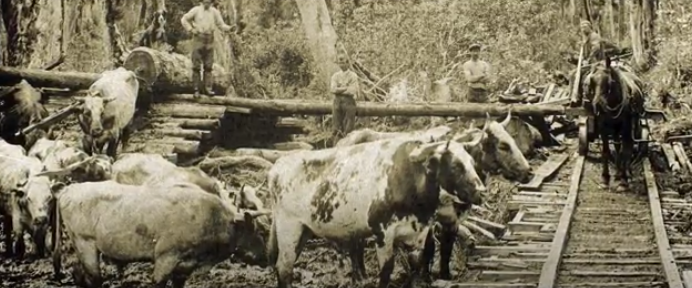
(200, 21)
(344, 86)
(477, 76)
(595, 49)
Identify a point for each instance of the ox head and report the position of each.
(252, 224)
(93, 168)
(500, 150)
(34, 195)
(92, 112)
(453, 168)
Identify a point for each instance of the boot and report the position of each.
(196, 82)
(208, 83)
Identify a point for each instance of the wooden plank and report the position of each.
(648, 284)
(671, 269)
(548, 93)
(546, 170)
(525, 227)
(612, 261)
(449, 284)
(682, 156)
(516, 205)
(486, 223)
(550, 268)
(517, 218)
(673, 164)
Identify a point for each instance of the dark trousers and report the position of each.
(477, 95)
(343, 115)
(202, 57)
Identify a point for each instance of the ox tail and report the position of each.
(57, 242)
(272, 245)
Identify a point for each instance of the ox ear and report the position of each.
(57, 187)
(507, 119)
(422, 152)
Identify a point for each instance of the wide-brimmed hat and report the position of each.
(475, 46)
(585, 23)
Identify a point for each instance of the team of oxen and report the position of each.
(395, 187)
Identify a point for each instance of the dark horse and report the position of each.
(617, 101)
(20, 107)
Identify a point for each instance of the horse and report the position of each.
(617, 101)
(21, 107)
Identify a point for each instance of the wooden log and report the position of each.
(169, 72)
(187, 111)
(288, 107)
(186, 134)
(288, 146)
(234, 161)
(42, 78)
(178, 145)
(267, 154)
(199, 124)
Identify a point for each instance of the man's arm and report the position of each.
(185, 20)
(219, 21)
(334, 87)
(351, 86)
(470, 78)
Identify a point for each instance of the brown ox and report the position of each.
(348, 193)
(179, 228)
(20, 108)
(108, 110)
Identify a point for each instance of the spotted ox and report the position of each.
(368, 135)
(20, 108)
(108, 110)
(498, 151)
(25, 200)
(348, 193)
(61, 160)
(180, 228)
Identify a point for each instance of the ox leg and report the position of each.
(125, 136)
(7, 227)
(39, 239)
(19, 246)
(605, 154)
(88, 145)
(163, 269)
(449, 236)
(626, 158)
(88, 257)
(291, 242)
(357, 251)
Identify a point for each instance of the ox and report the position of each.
(179, 228)
(26, 200)
(349, 193)
(61, 160)
(108, 110)
(21, 107)
(155, 171)
(368, 135)
(498, 150)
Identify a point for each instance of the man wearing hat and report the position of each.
(344, 87)
(477, 76)
(595, 49)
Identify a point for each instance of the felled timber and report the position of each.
(43, 78)
(163, 72)
(227, 162)
(186, 110)
(267, 154)
(288, 107)
(185, 123)
(169, 72)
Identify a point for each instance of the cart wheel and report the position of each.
(583, 136)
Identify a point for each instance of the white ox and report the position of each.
(61, 160)
(368, 135)
(25, 200)
(108, 110)
(179, 227)
(348, 193)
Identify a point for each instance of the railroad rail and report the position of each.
(568, 232)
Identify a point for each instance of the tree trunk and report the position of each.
(611, 21)
(573, 10)
(622, 22)
(320, 35)
(636, 35)
(169, 72)
(285, 107)
(41, 78)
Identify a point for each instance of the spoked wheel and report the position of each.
(640, 134)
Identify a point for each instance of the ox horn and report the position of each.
(67, 170)
(507, 119)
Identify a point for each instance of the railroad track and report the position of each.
(567, 232)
